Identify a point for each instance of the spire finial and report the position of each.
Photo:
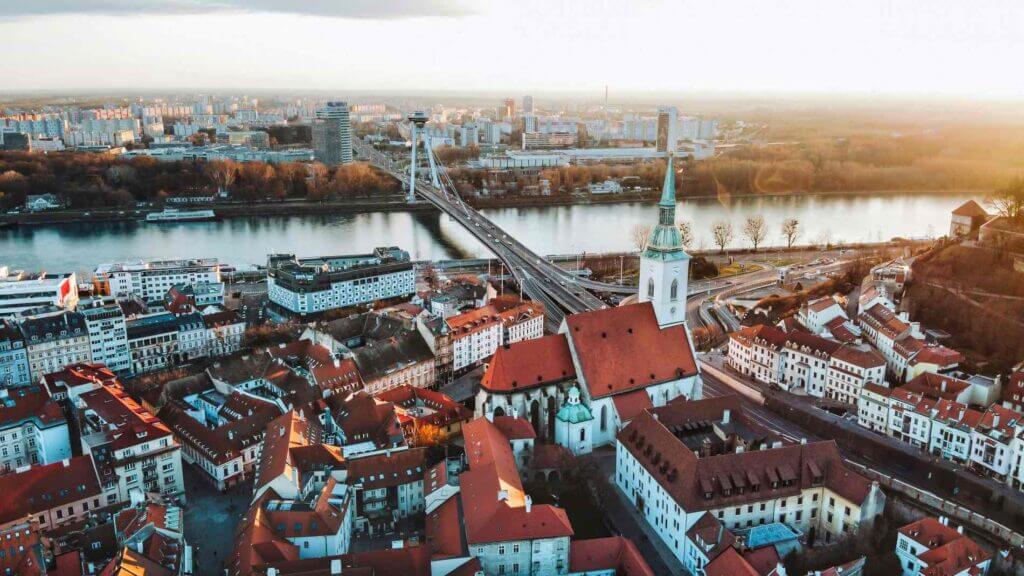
(668, 190)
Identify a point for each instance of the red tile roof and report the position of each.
(132, 424)
(1014, 385)
(49, 486)
(622, 349)
(444, 531)
(493, 500)
(730, 563)
(289, 431)
(970, 208)
(763, 560)
(78, 375)
(631, 404)
(529, 363)
(515, 427)
(939, 355)
(948, 551)
(392, 468)
(30, 403)
(863, 357)
(425, 406)
(700, 483)
(613, 553)
(935, 386)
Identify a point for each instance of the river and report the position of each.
(426, 235)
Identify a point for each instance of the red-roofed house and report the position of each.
(817, 314)
(52, 495)
(931, 547)
(680, 462)
(503, 528)
(611, 555)
(967, 219)
(133, 449)
(416, 407)
(1013, 392)
(991, 440)
(389, 486)
(873, 407)
(33, 429)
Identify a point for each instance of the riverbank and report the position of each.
(398, 204)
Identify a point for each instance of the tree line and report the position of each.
(98, 180)
(755, 230)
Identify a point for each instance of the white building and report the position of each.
(108, 335)
(680, 463)
(135, 452)
(54, 340)
(152, 279)
(20, 291)
(14, 367)
(932, 546)
(33, 429)
(312, 285)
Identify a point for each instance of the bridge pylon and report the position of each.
(418, 120)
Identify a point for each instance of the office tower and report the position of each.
(332, 134)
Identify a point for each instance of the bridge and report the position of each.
(542, 281)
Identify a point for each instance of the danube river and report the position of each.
(426, 235)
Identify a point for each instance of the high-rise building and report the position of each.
(527, 104)
(332, 134)
(667, 134)
(507, 110)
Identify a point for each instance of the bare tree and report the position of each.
(685, 233)
(640, 234)
(722, 233)
(1009, 201)
(825, 238)
(791, 231)
(222, 173)
(755, 230)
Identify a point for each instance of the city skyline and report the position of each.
(941, 49)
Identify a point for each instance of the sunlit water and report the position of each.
(552, 230)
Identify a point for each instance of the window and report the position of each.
(650, 287)
(674, 291)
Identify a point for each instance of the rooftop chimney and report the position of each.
(515, 412)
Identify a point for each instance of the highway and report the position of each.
(541, 280)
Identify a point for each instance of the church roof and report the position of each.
(623, 349)
(529, 363)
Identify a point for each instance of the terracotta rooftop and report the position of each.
(48, 486)
(530, 363)
(623, 348)
(614, 553)
(19, 405)
(704, 483)
(493, 500)
(970, 208)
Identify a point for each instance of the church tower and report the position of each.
(664, 263)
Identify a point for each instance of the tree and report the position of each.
(791, 231)
(222, 173)
(428, 435)
(722, 233)
(641, 233)
(755, 230)
(1009, 200)
(686, 233)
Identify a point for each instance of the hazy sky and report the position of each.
(939, 47)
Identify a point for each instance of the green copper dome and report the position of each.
(573, 412)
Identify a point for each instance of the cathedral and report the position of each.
(579, 387)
